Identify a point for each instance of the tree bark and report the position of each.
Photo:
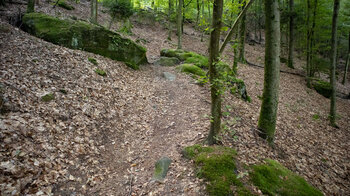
(198, 13)
(291, 35)
(333, 60)
(312, 41)
(235, 24)
(30, 6)
(94, 11)
(215, 122)
(347, 64)
(308, 45)
(179, 24)
(242, 33)
(169, 19)
(268, 112)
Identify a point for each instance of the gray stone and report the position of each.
(169, 76)
(167, 61)
(161, 168)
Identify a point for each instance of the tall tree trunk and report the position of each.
(94, 11)
(215, 122)
(333, 60)
(242, 32)
(30, 6)
(312, 41)
(347, 64)
(179, 24)
(268, 112)
(308, 68)
(235, 53)
(209, 16)
(291, 34)
(198, 13)
(202, 17)
(169, 19)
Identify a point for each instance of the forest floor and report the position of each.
(105, 134)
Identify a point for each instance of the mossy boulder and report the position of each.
(322, 87)
(63, 4)
(191, 69)
(274, 179)
(161, 168)
(186, 56)
(85, 36)
(167, 61)
(217, 166)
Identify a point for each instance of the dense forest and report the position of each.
(174, 97)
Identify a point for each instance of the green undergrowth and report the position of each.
(93, 61)
(217, 166)
(274, 179)
(63, 4)
(48, 97)
(191, 69)
(100, 72)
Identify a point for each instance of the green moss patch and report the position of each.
(93, 61)
(85, 36)
(274, 179)
(198, 60)
(322, 87)
(167, 61)
(100, 72)
(192, 69)
(48, 97)
(217, 166)
(65, 5)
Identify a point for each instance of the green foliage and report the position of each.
(316, 117)
(120, 8)
(93, 61)
(274, 179)
(65, 5)
(192, 69)
(48, 97)
(100, 72)
(217, 166)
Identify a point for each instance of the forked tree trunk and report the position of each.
(268, 112)
(179, 24)
(291, 34)
(215, 122)
(332, 113)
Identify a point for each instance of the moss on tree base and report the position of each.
(85, 36)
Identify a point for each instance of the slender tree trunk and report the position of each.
(235, 24)
(347, 63)
(268, 112)
(242, 33)
(30, 6)
(209, 16)
(235, 53)
(308, 45)
(312, 41)
(198, 13)
(291, 34)
(215, 122)
(169, 19)
(333, 60)
(94, 11)
(179, 24)
(202, 17)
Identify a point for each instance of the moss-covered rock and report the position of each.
(198, 60)
(63, 4)
(186, 56)
(274, 179)
(167, 61)
(85, 36)
(217, 166)
(161, 168)
(192, 69)
(322, 87)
